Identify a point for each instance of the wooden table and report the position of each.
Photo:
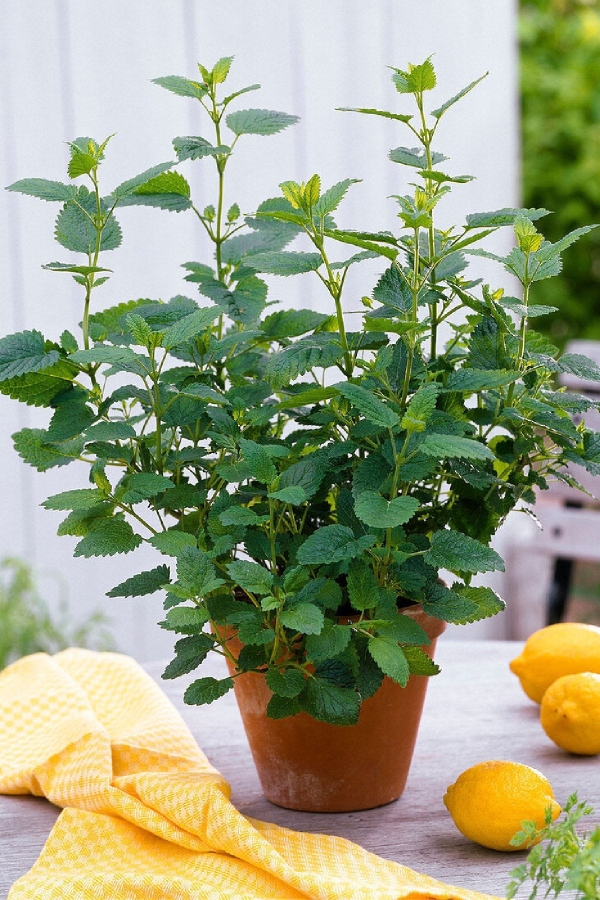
(475, 710)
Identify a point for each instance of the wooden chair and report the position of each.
(540, 563)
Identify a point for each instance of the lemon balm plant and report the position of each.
(299, 477)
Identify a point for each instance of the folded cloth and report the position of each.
(145, 813)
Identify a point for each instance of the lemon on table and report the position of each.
(562, 649)
(489, 801)
(570, 713)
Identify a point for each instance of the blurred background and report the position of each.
(529, 133)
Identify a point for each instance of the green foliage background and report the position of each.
(560, 89)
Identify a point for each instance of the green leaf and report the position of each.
(329, 703)
(110, 431)
(390, 659)
(470, 380)
(44, 189)
(190, 326)
(419, 662)
(460, 553)
(196, 148)
(77, 499)
(258, 461)
(303, 617)
(170, 190)
(306, 474)
(191, 652)
(416, 80)
(439, 112)
(30, 444)
(392, 290)
(505, 216)
(451, 446)
(74, 270)
(75, 229)
(281, 707)
(289, 323)
(143, 486)
(221, 68)
(147, 582)
(122, 357)
(108, 537)
(331, 642)
(365, 240)
(421, 407)
(287, 683)
(332, 543)
(251, 576)
(369, 405)
(72, 416)
(183, 87)
(363, 590)
(185, 619)
(196, 573)
(398, 117)
(172, 543)
(293, 494)
(285, 263)
(205, 690)
(486, 602)
(306, 353)
(329, 201)
(377, 512)
(25, 352)
(128, 187)
(259, 121)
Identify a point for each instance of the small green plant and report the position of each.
(301, 479)
(26, 624)
(563, 860)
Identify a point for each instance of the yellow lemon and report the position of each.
(570, 713)
(562, 649)
(489, 801)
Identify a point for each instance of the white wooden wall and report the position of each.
(76, 67)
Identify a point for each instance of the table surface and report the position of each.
(475, 710)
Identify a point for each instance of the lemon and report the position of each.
(489, 801)
(562, 649)
(570, 713)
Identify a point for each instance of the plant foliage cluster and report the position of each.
(563, 858)
(298, 476)
(560, 72)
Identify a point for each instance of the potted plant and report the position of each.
(308, 485)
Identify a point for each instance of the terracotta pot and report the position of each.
(309, 765)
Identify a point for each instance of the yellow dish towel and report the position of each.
(145, 814)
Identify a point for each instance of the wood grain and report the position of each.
(475, 710)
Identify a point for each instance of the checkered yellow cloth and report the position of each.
(145, 814)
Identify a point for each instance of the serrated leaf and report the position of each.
(122, 357)
(190, 326)
(241, 515)
(172, 543)
(439, 112)
(416, 80)
(76, 499)
(25, 352)
(332, 543)
(303, 617)
(369, 405)
(377, 512)
(293, 494)
(285, 262)
(251, 576)
(331, 642)
(206, 690)
(74, 270)
(170, 191)
(419, 662)
(321, 350)
(414, 156)
(53, 191)
(390, 659)
(451, 446)
(398, 117)
(196, 148)
(329, 201)
(471, 380)
(460, 553)
(144, 583)
(185, 619)
(365, 240)
(504, 216)
(183, 87)
(363, 590)
(75, 229)
(31, 445)
(191, 652)
(306, 474)
(110, 431)
(329, 703)
(285, 683)
(258, 461)
(259, 121)
(392, 290)
(108, 537)
(143, 486)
